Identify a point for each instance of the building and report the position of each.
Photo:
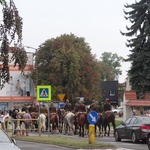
(15, 91)
(110, 91)
(130, 103)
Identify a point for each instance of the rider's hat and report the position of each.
(107, 100)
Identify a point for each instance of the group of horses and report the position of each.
(70, 123)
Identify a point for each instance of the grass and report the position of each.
(118, 122)
(65, 141)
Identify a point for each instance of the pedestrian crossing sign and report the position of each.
(44, 93)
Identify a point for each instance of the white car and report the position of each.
(6, 143)
(117, 110)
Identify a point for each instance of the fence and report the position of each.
(10, 126)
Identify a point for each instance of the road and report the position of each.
(123, 145)
(39, 146)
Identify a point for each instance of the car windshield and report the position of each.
(3, 137)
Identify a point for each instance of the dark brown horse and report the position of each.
(109, 117)
(99, 124)
(54, 121)
(82, 122)
(61, 113)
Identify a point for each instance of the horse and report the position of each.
(54, 121)
(42, 121)
(81, 120)
(69, 123)
(34, 122)
(61, 113)
(99, 124)
(109, 117)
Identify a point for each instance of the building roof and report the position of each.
(130, 95)
(139, 102)
(131, 99)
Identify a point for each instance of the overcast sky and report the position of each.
(98, 21)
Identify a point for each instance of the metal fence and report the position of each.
(17, 126)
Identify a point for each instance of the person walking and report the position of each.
(27, 122)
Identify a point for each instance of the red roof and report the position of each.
(139, 102)
(130, 95)
(132, 100)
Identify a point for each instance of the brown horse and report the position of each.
(99, 124)
(61, 113)
(82, 122)
(34, 122)
(54, 120)
(109, 117)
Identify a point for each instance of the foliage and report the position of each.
(139, 44)
(110, 66)
(67, 64)
(10, 35)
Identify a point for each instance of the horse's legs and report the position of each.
(79, 130)
(95, 130)
(108, 129)
(114, 127)
(83, 131)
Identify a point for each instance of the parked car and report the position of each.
(135, 128)
(6, 143)
(148, 141)
(118, 111)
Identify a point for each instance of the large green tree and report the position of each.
(66, 63)
(10, 36)
(110, 66)
(139, 43)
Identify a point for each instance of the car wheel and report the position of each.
(148, 141)
(117, 137)
(134, 138)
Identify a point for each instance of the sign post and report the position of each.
(44, 94)
(92, 119)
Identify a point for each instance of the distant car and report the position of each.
(118, 110)
(6, 143)
(134, 128)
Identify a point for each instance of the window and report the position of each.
(112, 93)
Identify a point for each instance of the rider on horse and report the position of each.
(52, 108)
(97, 107)
(68, 106)
(92, 105)
(107, 106)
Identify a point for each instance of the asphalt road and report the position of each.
(123, 145)
(39, 146)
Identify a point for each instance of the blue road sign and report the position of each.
(92, 117)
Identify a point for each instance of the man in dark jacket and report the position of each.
(107, 106)
(68, 106)
(97, 107)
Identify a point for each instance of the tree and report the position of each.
(110, 66)
(66, 63)
(139, 44)
(10, 36)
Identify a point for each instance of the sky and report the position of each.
(98, 21)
